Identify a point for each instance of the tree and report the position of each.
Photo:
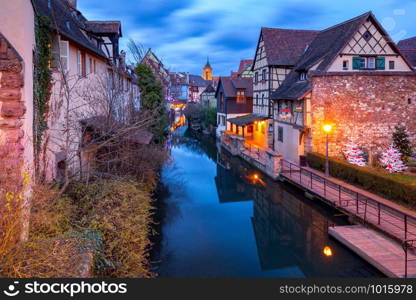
(401, 141)
(391, 160)
(152, 99)
(354, 155)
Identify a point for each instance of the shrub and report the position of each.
(393, 188)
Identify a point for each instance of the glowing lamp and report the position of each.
(327, 128)
(256, 176)
(327, 251)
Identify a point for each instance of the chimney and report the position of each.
(72, 3)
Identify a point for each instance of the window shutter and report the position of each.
(79, 63)
(87, 64)
(356, 63)
(55, 52)
(381, 65)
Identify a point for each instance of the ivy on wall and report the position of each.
(42, 79)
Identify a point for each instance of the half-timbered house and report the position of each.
(352, 76)
(234, 98)
(277, 52)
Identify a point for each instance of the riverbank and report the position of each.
(100, 229)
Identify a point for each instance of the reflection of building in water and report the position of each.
(289, 232)
(230, 187)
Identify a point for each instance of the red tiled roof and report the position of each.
(244, 63)
(231, 85)
(284, 47)
(104, 27)
(408, 48)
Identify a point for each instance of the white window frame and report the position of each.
(64, 55)
(370, 63)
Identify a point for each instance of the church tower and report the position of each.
(207, 71)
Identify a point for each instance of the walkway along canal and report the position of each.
(222, 218)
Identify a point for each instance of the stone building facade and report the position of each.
(364, 109)
(12, 110)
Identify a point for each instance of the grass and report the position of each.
(111, 219)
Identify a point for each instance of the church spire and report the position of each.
(207, 65)
(207, 71)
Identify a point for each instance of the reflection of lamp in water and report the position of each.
(327, 251)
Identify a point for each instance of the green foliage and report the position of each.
(152, 100)
(401, 141)
(42, 78)
(211, 116)
(395, 188)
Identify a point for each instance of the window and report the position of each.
(302, 76)
(365, 63)
(264, 75)
(87, 64)
(391, 64)
(262, 99)
(79, 63)
(280, 133)
(257, 99)
(240, 96)
(64, 54)
(371, 63)
(345, 65)
(256, 77)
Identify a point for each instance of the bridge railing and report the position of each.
(396, 223)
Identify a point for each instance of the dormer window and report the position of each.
(302, 76)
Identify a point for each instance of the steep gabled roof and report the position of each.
(329, 42)
(284, 46)
(322, 52)
(231, 84)
(104, 27)
(407, 44)
(244, 64)
(209, 89)
(408, 49)
(196, 80)
(69, 21)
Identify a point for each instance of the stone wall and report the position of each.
(363, 109)
(12, 111)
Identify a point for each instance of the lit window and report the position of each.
(240, 96)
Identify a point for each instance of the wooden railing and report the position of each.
(394, 222)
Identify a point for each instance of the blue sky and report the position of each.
(184, 32)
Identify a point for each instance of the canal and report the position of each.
(223, 218)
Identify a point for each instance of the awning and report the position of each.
(247, 119)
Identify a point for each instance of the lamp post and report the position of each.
(327, 128)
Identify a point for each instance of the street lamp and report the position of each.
(327, 128)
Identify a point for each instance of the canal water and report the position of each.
(223, 218)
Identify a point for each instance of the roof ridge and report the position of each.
(369, 13)
(288, 29)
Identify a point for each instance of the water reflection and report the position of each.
(231, 223)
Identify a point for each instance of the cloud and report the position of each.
(184, 32)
